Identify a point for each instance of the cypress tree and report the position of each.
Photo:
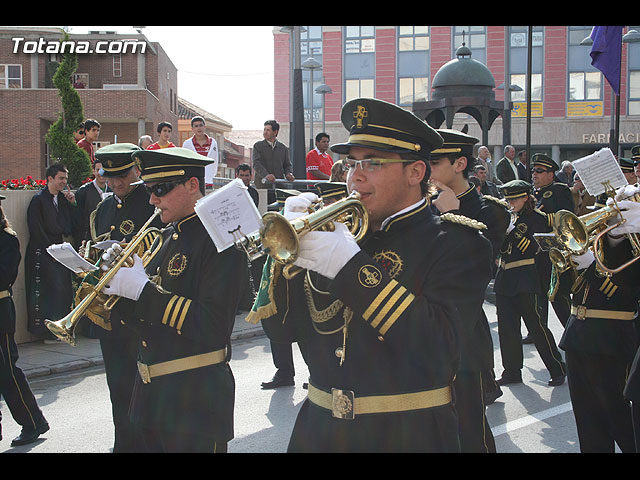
(60, 138)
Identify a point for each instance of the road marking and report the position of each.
(530, 419)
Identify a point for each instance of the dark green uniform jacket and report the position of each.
(9, 262)
(191, 313)
(520, 246)
(402, 288)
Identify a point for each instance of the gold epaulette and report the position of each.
(10, 231)
(499, 201)
(462, 220)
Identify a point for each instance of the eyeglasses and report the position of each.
(370, 164)
(540, 170)
(161, 189)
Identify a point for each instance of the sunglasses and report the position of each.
(540, 170)
(370, 164)
(161, 189)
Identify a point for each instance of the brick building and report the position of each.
(128, 90)
(571, 102)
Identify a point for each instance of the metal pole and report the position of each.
(506, 118)
(529, 55)
(616, 140)
(311, 110)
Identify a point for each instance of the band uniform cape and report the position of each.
(48, 282)
(387, 324)
(190, 311)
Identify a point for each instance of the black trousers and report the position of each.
(603, 416)
(473, 427)
(282, 354)
(529, 307)
(120, 353)
(14, 387)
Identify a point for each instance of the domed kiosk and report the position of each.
(463, 85)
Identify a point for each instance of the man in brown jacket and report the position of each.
(271, 158)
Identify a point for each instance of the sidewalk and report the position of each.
(37, 359)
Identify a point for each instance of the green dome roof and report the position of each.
(463, 71)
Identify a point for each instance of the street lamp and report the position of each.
(323, 89)
(311, 64)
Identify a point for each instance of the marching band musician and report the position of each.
(119, 217)
(183, 397)
(14, 387)
(450, 166)
(601, 338)
(551, 197)
(383, 348)
(518, 290)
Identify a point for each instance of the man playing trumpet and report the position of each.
(378, 321)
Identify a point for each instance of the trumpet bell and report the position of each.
(279, 238)
(63, 329)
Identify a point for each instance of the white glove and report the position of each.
(128, 282)
(583, 261)
(631, 213)
(624, 192)
(327, 252)
(298, 206)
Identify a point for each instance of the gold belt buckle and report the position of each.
(143, 369)
(581, 312)
(342, 404)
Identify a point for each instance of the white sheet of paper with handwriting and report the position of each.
(226, 210)
(597, 168)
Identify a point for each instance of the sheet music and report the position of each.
(597, 168)
(226, 210)
(67, 256)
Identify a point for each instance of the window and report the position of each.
(518, 53)
(475, 38)
(359, 62)
(359, 39)
(117, 65)
(585, 81)
(10, 76)
(311, 46)
(584, 86)
(413, 64)
(633, 64)
(359, 88)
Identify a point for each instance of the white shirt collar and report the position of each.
(404, 210)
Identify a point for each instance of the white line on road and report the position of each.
(531, 419)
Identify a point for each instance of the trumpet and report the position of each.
(280, 238)
(577, 234)
(64, 328)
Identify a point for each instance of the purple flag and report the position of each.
(606, 53)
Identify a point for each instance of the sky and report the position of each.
(225, 70)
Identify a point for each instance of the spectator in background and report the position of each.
(14, 388)
(581, 198)
(205, 145)
(522, 164)
(484, 159)
(251, 283)
(271, 158)
(91, 134)
(145, 141)
(79, 133)
(486, 187)
(566, 173)
(338, 173)
(318, 161)
(164, 133)
(87, 198)
(48, 282)
(506, 169)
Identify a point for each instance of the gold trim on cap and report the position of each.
(173, 173)
(116, 169)
(516, 195)
(386, 141)
(447, 150)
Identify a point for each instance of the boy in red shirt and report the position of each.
(318, 161)
(164, 131)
